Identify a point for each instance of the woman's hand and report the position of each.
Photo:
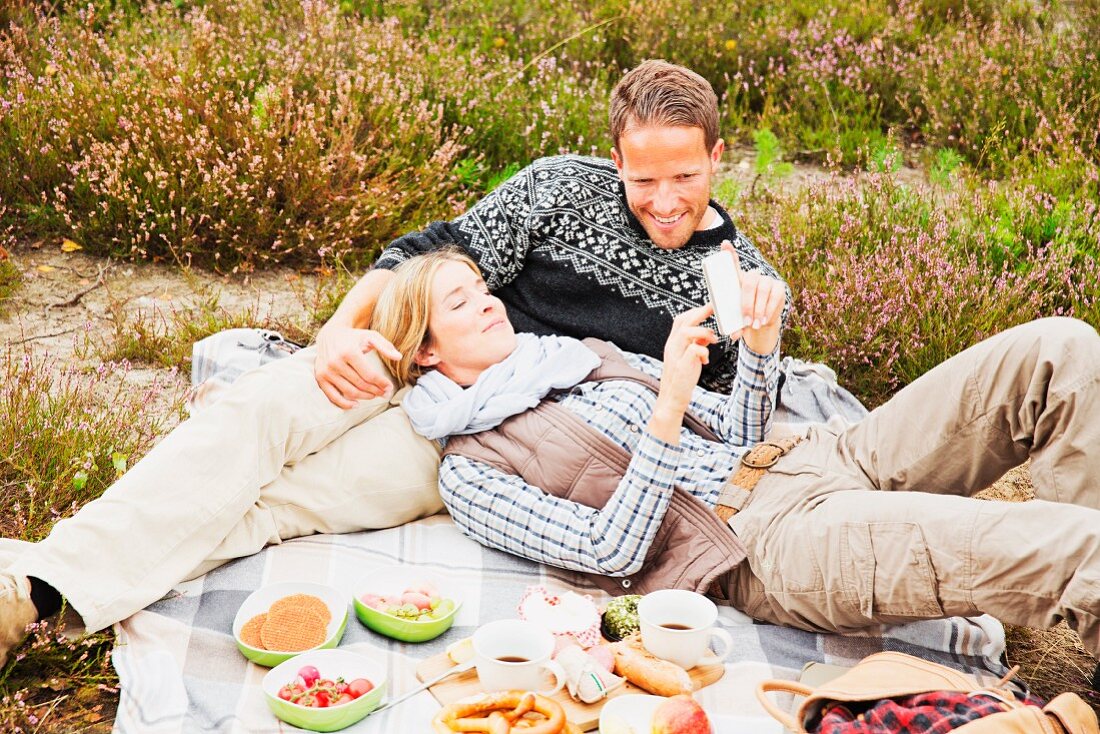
(762, 302)
(684, 357)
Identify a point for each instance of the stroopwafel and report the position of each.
(305, 601)
(292, 628)
(250, 633)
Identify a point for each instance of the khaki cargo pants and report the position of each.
(273, 459)
(876, 523)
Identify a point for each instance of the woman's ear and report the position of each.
(426, 357)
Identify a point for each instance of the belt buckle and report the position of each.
(765, 462)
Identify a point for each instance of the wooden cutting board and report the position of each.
(584, 715)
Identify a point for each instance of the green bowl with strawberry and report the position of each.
(406, 603)
(325, 690)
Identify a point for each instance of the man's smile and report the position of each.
(668, 221)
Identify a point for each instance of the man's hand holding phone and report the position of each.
(747, 305)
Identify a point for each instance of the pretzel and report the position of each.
(503, 712)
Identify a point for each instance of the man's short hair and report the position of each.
(659, 93)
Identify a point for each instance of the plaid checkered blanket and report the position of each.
(180, 671)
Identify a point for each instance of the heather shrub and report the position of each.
(240, 133)
(832, 78)
(51, 684)
(1026, 85)
(888, 282)
(10, 276)
(251, 132)
(66, 434)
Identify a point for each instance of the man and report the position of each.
(613, 464)
(317, 442)
(584, 246)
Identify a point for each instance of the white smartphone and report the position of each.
(724, 287)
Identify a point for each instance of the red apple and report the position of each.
(680, 715)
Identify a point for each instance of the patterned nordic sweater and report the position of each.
(559, 246)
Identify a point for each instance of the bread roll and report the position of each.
(647, 671)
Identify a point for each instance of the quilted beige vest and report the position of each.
(554, 450)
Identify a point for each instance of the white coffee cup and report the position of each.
(514, 654)
(678, 626)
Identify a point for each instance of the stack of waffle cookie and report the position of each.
(291, 624)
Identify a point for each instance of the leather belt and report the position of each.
(754, 465)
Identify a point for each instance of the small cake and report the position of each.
(570, 617)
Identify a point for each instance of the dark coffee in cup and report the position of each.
(514, 654)
(678, 625)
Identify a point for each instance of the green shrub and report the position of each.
(10, 280)
(888, 282)
(10, 275)
(769, 163)
(945, 162)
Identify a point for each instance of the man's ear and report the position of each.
(618, 160)
(716, 153)
(426, 357)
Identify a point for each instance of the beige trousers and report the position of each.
(876, 523)
(272, 459)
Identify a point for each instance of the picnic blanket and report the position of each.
(180, 671)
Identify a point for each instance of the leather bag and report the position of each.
(891, 675)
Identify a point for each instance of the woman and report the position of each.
(563, 454)
(273, 459)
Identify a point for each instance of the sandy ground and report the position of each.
(72, 305)
(66, 293)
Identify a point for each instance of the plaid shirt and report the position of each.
(502, 511)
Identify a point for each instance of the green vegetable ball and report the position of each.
(620, 618)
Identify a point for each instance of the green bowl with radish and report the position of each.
(325, 690)
(406, 603)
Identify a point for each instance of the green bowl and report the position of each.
(394, 580)
(260, 600)
(331, 664)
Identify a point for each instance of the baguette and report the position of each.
(647, 671)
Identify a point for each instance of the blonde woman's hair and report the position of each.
(401, 314)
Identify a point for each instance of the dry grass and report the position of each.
(1051, 661)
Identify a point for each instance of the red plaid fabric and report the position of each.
(926, 713)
